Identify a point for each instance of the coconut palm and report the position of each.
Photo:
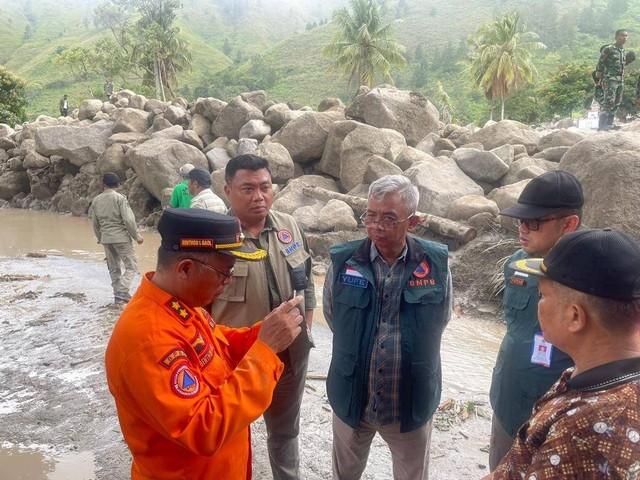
(363, 47)
(501, 57)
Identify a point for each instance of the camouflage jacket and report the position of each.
(611, 63)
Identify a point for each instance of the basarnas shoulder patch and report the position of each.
(184, 382)
(172, 356)
(181, 311)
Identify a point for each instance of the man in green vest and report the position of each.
(258, 287)
(387, 299)
(527, 365)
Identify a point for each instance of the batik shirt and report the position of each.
(585, 427)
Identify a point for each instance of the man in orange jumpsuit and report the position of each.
(186, 389)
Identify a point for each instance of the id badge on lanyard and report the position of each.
(542, 351)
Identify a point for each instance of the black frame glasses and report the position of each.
(224, 274)
(367, 221)
(533, 224)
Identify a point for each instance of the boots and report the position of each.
(603, 122)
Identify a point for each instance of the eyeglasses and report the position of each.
(224, 274)
(533, 224)
(386, 222)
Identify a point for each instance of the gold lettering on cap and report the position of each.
(197, 243)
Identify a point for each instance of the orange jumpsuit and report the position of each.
(186, 389)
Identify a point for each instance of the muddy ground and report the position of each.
(55, 320)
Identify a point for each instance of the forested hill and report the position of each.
(276, 45)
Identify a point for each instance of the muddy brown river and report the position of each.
(469, 344)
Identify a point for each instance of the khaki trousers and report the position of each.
(282, 419)
(409, 451)
(499, 444)
(121, 255)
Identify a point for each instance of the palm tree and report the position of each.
(501, 57)
(363, 47)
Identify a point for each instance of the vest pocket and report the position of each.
(516, 297)
(236, 291)
(340, 381)
(426, 380)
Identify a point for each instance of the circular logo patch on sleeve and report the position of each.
(184, 382)
(285, 236)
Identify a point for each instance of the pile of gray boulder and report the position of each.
(463, 173)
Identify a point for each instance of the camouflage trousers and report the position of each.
(611, 96)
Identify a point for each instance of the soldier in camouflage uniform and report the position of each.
(598, 94)
(609, 72)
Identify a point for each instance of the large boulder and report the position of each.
(409, 113)
(336, 215)
(114, 159)
(514, 175)
(378, 167)
(507, 131)
(200, 124)
(233, 117)
(79, 144)
(505, 197)
(463, 208)
(255, 129)
(291, 197)
(306, 136)
(330, 161)
(157, 162)
(280, 162)
(6, 130)
(209, 107)
(360, 145)
(132, 120)
(440, 181)
(257, 98)
(409, 156)
(561, 138)
(218, 158)
(553, 154)
(141, 201)
(608, 166)
(89, 108)
(480, 165)
(13, 183)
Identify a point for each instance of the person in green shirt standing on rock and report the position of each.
(549, 207)
(610, 75)
(180, 197)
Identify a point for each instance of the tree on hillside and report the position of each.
(364, 47)
(153, 43)
(501, 57)
(570, 88)
(12, 98)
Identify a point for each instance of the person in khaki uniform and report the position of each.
(257, 287)
(115, 225)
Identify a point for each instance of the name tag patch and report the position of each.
(521, 282)
(291, 248)
(353, 278)
(542, 351)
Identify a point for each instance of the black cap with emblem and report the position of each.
(604, 263)
(200, 230)
(546, 194)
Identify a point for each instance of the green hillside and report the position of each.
(277, 45)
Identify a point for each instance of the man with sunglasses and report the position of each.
(387, 299)
(549, 207)
(187, 389)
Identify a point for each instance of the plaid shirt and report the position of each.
(585, 427)
(383, 404)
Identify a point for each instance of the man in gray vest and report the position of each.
(257, 287)
(115, 225)
(387, 300)
(527, 364)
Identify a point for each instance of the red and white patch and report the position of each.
(285, 236)
(184, 382)
(421, 270)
